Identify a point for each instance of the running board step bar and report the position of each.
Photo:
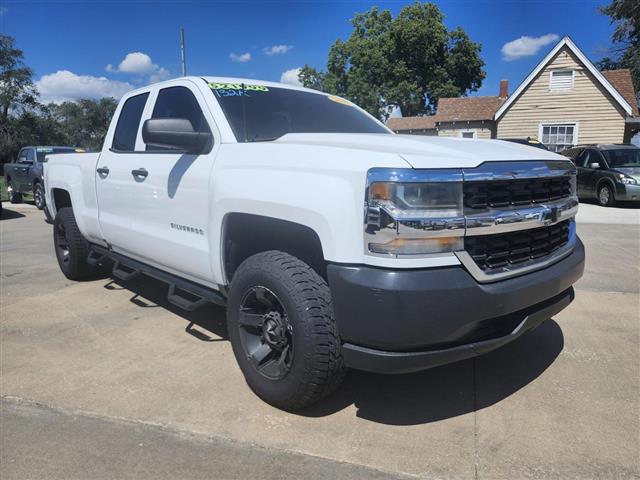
(182, 293)
(95, 258)
(124, 272)
(182, 301)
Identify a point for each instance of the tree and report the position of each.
(25, 121)
(83, 123)
(16, 87)
(625, 14)
(409, 61)
(17, 93)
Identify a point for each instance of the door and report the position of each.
(584, 172)
(595, 174)
(20, 176)
(153, 202)
(587, 176)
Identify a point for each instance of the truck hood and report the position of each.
(426, 152)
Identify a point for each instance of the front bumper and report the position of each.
(398, 321)
(627, 193)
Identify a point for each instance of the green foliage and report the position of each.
(83, 123)
(25, 121)
(625, 14)
(410, 61)
(16, 87)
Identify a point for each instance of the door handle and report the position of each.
(103, 171)
(140, 172)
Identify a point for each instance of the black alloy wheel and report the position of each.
(61, 243)
(265, 333)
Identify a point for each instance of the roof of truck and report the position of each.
(235, 80)
(254, 81)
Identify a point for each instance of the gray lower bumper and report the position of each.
(396, 321)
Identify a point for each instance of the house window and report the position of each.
(558, 137)
(468, 134)
(561, 80)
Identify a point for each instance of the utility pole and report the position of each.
(182, 54)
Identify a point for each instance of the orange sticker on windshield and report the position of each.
(340, 100)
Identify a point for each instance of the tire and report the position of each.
(605, 195)
(14, 197)
(38, 196)
(275, 288)
(71, 247)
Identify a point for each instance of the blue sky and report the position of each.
(77, 48)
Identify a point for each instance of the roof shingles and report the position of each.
(621, 80)
(460, 109)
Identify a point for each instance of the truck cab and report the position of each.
(331, 241)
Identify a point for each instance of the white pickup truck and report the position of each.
(332, 241)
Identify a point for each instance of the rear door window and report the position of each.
(124, 139)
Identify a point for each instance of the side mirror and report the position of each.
(594, 165)
(23, 160)
(175, 133)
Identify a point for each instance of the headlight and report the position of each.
(626, 179)
(413, 212)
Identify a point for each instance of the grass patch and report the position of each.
(3, 190)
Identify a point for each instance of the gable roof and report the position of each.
(621, 81)
(566, 42)
(426, 122)
(456, 109)
(467, 108)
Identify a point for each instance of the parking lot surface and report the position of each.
(90, 368)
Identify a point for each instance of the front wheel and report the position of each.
(605, 196)
(283, 332)
(71, 247)
(14, 197)
(38, 196)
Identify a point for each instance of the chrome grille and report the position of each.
(495, 194)
(490, 252)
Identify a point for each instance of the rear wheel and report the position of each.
(14, 197)
(282, 329)
(38, 196)
(605, 196)
(71, 247)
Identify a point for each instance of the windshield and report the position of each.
(627, 157)
(42, 152)
(257, 113)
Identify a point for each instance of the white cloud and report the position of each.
(159, 75)
(140, 64)
(291, 77)
(134, 62)
(65, 85)
(277, 49)
(526, 46)
(241, 58)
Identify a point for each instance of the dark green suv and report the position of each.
(607, 173)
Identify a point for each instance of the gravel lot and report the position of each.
(104, 379)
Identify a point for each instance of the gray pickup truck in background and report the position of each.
(25, 175)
